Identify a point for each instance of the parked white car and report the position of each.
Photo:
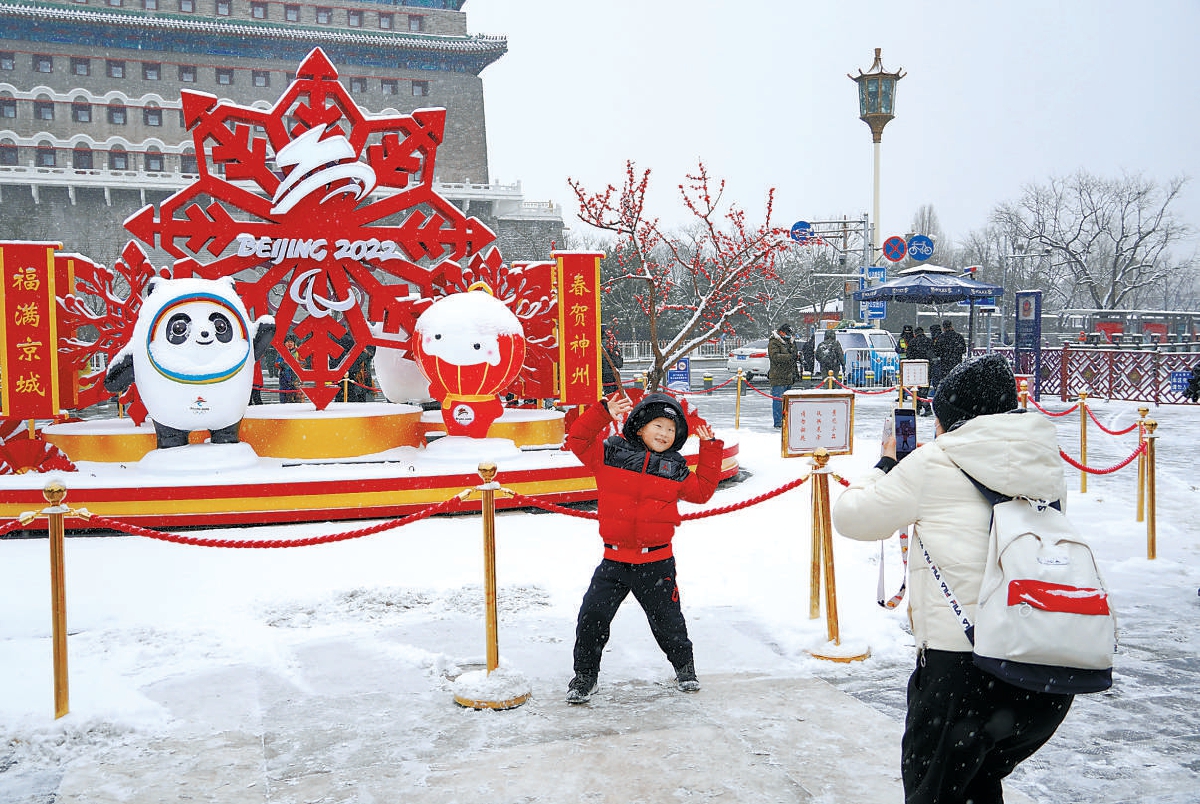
(751, 359)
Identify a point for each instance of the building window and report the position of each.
(150, 5)
(389, 86)
(258, 11)
(152, 116)
(291, 13)
(386, 21)
(81, 66)
(43, 64)
(8, 108)
(225, 76)
(187, 6)
(354, 18)
(8, 155)
(324, 15)
(118, 160)
(358, 85)
(187, 74)
(262, 78)
(43, 110)
(187, 164)
(116, 69)
(154, 162)
(46, 156)
(416, 23)
(8, 61)
(81, 158)
(81, 112)
(420, 88)
(116, 114)
(151, 71)
(115, 3)
(224, 8)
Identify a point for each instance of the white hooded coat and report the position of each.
(1014, 453)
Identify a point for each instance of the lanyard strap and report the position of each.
(894, 600)
(955, 606)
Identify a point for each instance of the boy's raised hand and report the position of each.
(618, 405)
(704, 432)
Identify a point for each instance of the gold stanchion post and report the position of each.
(490, 689)
(55, 491)
(737, 405)
(1141, 464)
(817, 551)
(834, 649)
(1151, 524)
(1083, 417)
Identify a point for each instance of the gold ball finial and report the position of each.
(55, 491)
(821, 457)
(1151, 426)
(487, 470)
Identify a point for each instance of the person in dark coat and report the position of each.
(608, 377)
(921, 348)
(640, 477)
(808, 348)
(949, 348)
(906, 336)
(781, 351)
(830, 355)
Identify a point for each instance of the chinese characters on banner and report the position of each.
(578, 277)
(28, 331)
(818, 419)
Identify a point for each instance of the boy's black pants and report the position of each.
(966, 730)
(653, 586)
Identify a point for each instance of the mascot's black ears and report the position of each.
(119, 375)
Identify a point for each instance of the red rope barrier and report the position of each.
(1066, 412)
(761, 393)
(136, 530)
(706, 390)
(840, 479)
(1140, 449)
(534, 502)
(862, 391)
(1128, 429)
(9, 527)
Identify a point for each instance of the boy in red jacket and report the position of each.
(640, 477)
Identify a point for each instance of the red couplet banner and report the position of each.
(28, 331)
(578, 278)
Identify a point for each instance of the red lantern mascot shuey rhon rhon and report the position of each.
(470, 347)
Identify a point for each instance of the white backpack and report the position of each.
(1043, 621)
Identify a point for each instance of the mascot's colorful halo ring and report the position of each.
(165, 318)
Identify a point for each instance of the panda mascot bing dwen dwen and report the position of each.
(192, 356)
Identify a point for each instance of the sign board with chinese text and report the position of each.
(914, 373)
(817, 418)
(28, 331)
(578, 278)
(679, 375)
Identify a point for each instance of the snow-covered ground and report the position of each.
(193, 670)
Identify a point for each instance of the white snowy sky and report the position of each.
(997, 96)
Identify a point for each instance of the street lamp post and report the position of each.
(876, 102)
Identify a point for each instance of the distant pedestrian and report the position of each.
(949, 348)
(921, 348)
(830, 356)
(289, 383)
(906, 336)
(781, 351)
(608, 377)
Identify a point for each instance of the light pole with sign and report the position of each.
(876, 102)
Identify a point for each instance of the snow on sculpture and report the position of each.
(192, 356)
(469, 346)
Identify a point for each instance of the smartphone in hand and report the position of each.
(905, 422)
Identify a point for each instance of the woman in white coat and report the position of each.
(965, 729)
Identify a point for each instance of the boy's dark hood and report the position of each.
(653, 406)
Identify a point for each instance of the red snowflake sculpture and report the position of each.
(326, 217)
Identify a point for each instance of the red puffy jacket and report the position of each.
(639, 489)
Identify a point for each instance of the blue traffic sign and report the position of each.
(679, 375)
(801, 231)
(920, 247)
(894, 248)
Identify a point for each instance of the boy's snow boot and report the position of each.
(685, 677)
(581, 688)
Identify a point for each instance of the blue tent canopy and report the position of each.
(929, 288)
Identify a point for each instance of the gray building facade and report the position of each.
(91, 124)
